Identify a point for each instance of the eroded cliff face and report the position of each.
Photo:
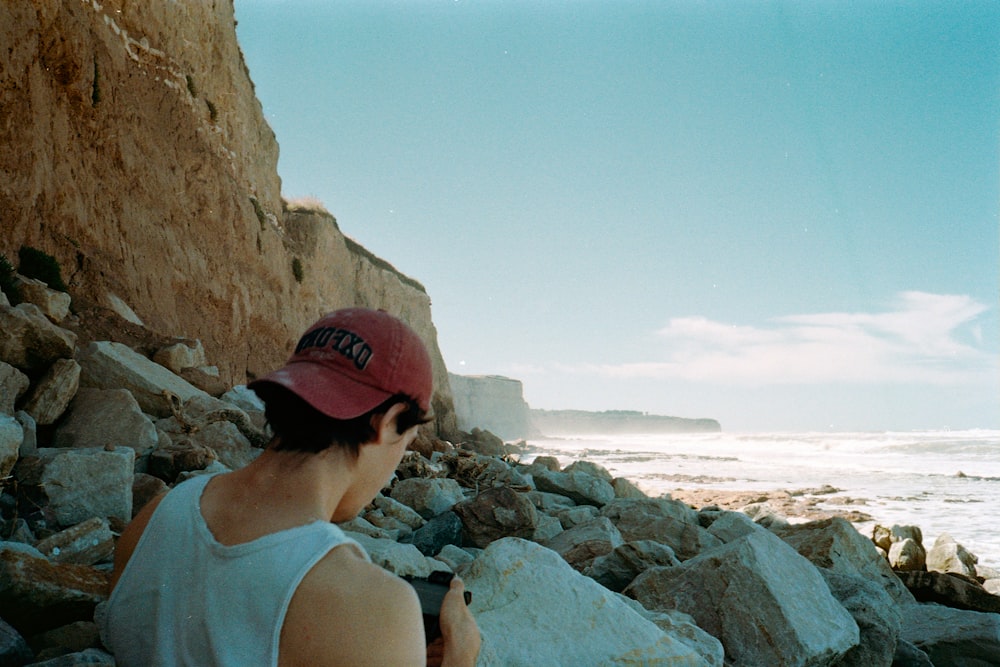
(135, 151)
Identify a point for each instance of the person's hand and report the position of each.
(459, 643)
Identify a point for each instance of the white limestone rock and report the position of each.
(54, 391)
(108, 365)
(53, 303)
(766, 604)
(84, 483)
(99, 417)
(534, 609)
(181, 355)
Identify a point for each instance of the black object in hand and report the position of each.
(431, 592)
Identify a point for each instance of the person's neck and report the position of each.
(276, 491)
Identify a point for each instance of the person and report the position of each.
(247, 568)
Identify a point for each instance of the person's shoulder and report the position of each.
(348, 611)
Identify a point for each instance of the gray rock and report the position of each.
(171, 460)
(548, 527)
(534, 609)
(878, 617)
(54, 391)
(428, 497)
(11, 436)
(107, 365)
(549, 502)
(13, 384)
(243, 398)
(662, 520)
(397, 510)
(574, 516)
(908, 655)
(99, 417)
(84, 483)
(950, 589)
(201, 411)
(834, 544)
(907, 555)
(589, 468)
(625, 488)
(144, 489)
(454, 556)
(365, 527)
(37, 595)
(29, 444)
(729, 526)
(86, 543)
(953, 637)
(445, 528)
(181, 355)
(495, 513)
(766, 604)
(947, 555)
(53, 303)
(617, 569)
(581, 544)
(14, 650)
(72, 638)
(582, 488)
(404, 560)
(30, 340)
(547, 462)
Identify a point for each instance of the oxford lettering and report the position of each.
(342, 341)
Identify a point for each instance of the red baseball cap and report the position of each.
(352, 360)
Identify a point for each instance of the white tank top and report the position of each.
(186, 599)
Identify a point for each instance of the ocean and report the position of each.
(941, 481)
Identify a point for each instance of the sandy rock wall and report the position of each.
(135, 151)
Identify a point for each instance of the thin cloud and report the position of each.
(918, 340)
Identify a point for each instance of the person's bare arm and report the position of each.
(348, 611)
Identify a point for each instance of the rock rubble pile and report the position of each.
(567, 565)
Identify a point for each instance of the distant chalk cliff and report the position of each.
(491, 402)
(497, 404)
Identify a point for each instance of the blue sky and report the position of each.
(781, 215)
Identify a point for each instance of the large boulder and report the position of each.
(428, 497)
(85, 483)
(534, 609)
(951, 590)
(99, 417)
(583, 488)
(108, 365)
(835, 544)
(662, 520)
(878, 617)
(495, 513)
(581, 544)
(30, 341)
(54, 391)
(38, 595)
(615, 570)
(953, 637)
(766, 604)
(947, 555)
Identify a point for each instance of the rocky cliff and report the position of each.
(136, 153)
(492, 402)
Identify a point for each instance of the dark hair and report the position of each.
(299, 427)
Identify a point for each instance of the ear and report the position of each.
(385, 424)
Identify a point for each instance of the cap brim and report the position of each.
(335, 395)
